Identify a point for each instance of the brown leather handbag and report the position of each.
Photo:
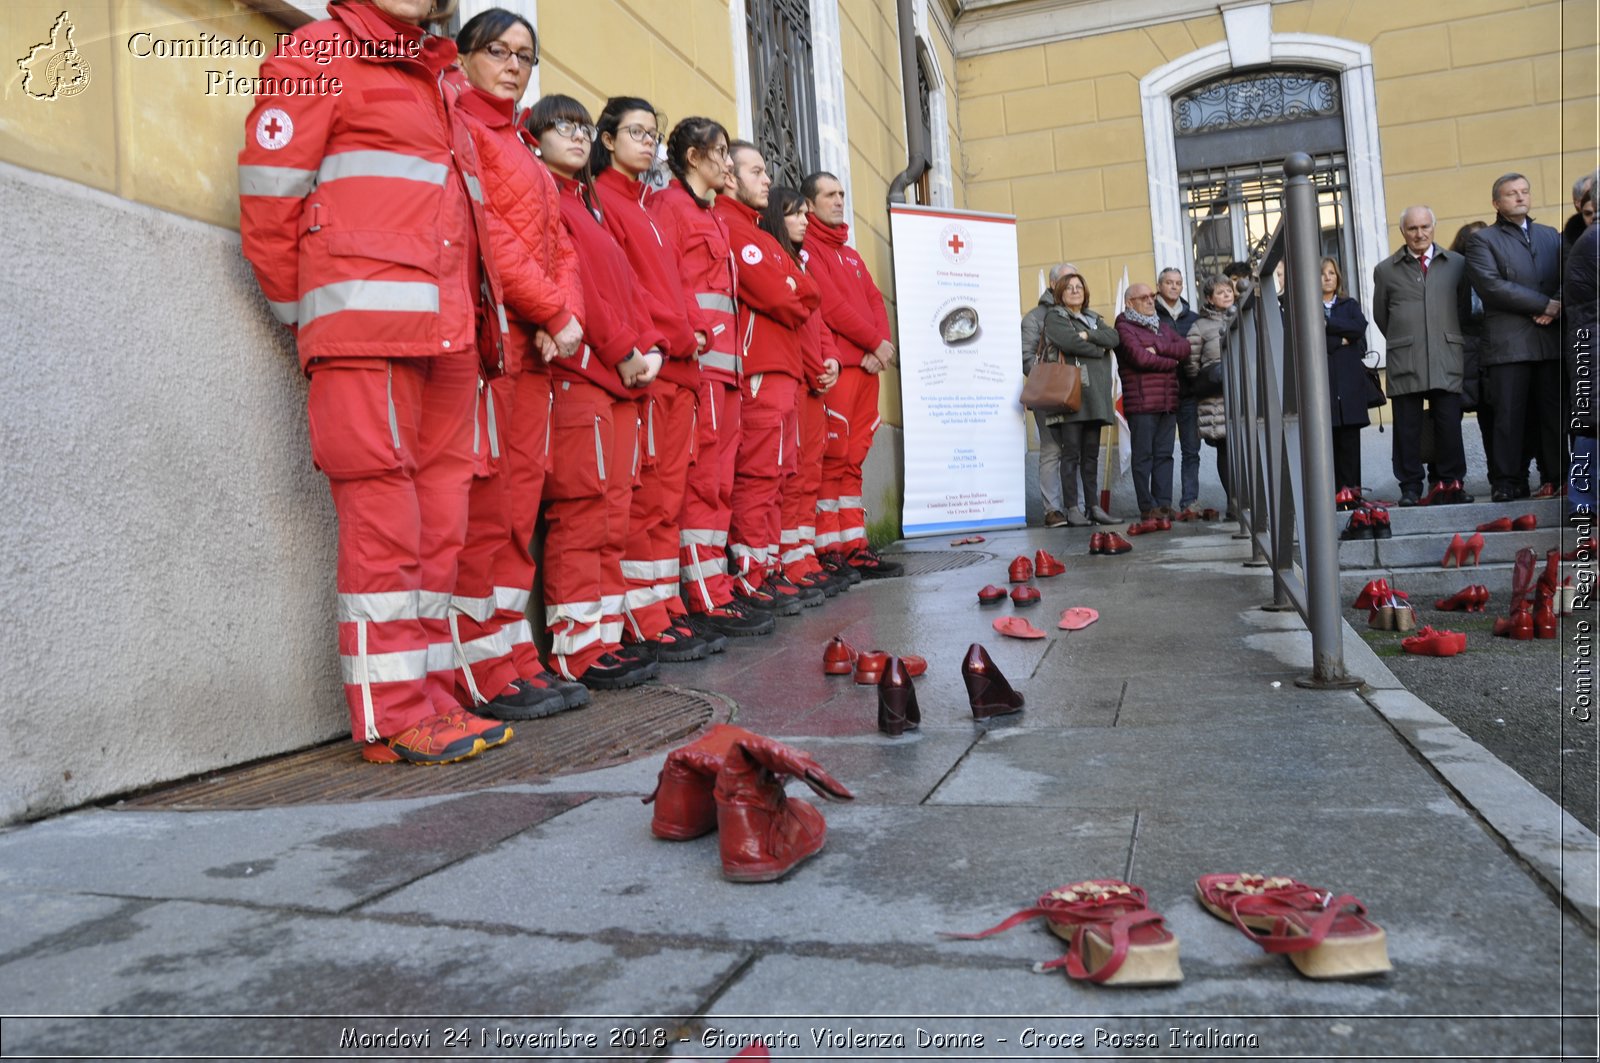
(1054, 386)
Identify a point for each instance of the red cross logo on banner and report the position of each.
(955, 243)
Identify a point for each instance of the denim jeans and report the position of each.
(1152, 435)
(1189, 442)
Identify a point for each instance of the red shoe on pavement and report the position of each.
(1021, 570)
(989, 594)
(1046, 565)
(870, 666)
(1431, 643)
(762, 833)
(1115, 544)
(439, 739)
(685, 807)
(1097, 543)
(1025, 595)
(838, 658)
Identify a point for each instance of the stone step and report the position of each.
(1427, 550)
(1411, 519)
(1429, 584)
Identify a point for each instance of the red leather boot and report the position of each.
(764, 833)
(684, 804)
(1519, 625)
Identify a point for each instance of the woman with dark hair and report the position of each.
(594, 424)
(786, 218)
(498, 664)
(1474, 382)
(389, 285)
(1075, 332)
(1348, 384)
(654, 616)
(697, 154)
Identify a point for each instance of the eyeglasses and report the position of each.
(500, 53)
(651, 137)
(573, 130)
(1140, 298)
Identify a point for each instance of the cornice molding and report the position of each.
(984, 26)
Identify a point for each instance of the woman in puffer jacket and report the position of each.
(1206, 339)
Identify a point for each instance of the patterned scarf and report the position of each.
(1149, 321)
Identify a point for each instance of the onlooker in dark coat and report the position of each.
(1416, 303)
(1081, 335)
(1049, 446)
(1148, 352)
(1474, 375)
(1515, 265)
(1172, 308)
(1348, 384)
(1582, 291)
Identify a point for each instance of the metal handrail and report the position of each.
(1280, 435)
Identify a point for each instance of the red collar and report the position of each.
(369, 22)
(493, 111)
(834, 235)
(731, 205)
(620, 183)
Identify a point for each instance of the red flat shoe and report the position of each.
(1430, 643)
(1021, 570)
(1208, 515)
(1016, 627)
(1526, 522)
(869, 667)
(1025, 595)
(914, 665)
(1097, 543)
(1549, 491)
(1163, 524)
(1046, 565)
(1077, 618)
(991, 595)
(1499, 524)
(1116, 939)
(1143, 527)
(1115, 544)
(969, 539)
(1323, 935)
(839, 658)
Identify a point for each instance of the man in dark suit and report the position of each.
(1516, 266)
(1416, 301)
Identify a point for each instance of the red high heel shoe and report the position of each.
(1463, 600)
(1046, 565)
(1544, 619)
(1474, 549)
(1377, 590)
(1021, 570)
(1455, 553)
(1483, 598)
(1144, 527)
(1499, 524)
(897, 700)
(1526, 522)
(1431, 643)
(839, 658)
(987, 689)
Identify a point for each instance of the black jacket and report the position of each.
(1516, 276)
(1348, 383)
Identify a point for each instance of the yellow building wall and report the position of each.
(1466, 90)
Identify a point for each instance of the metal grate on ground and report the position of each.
(616, 726)
(926, 562)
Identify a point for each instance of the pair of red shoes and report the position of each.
(1461, 549)
(1023, 595)
(1378, 592)
(1043, 565)
(731, 781)
(1108, 543)
(1526, 522)
(1368, 522)
(1445, 493)
(1469, 599)
(840, 658)
(1150, 524)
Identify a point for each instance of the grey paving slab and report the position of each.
(1037, 1014)
(1148, 767)
(41, 921)
(320, 857)
(181, 958)
(887, 880)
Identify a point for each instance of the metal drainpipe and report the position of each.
(917, 151)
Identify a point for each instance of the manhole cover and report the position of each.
(616, 726)
(923, 562)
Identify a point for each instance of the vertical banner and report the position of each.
(955, 283)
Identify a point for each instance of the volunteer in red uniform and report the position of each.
(653, 614)
(499, 664)
(360, 215)
(786, 218)
(594, 424)
(775, 300)
(697, 153)
(852, 308)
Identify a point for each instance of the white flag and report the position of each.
(1124, 437)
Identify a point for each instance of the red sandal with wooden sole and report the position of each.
(1324, 936)
(1114, 937)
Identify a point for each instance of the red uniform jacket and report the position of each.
(852, 306)
(690, 225)
(616, 324)
(816, 345)
(775, 295)
(655, 261)
(538, 267)
(361, 213)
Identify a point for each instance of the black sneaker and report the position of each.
(871, 566)
(676, 645)
(823, 581)
(637, 651)
(612, 672)
(839, 567)
(716, 641)
(575, 694)
(523, 701)
(735, 621)
(782, 587)
(764, 601)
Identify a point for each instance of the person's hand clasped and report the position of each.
(632, 369)
(829, 375)
(870, 364)
(885, 353)
(548, 351)
(570, 338)
(652, 361)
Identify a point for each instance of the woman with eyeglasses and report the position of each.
(786, 218)
(654, 617)
(361, 216)
(697, 154)
(594, 424)
(497, 662)
(1349, 386)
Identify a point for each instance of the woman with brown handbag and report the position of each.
(1074, 332)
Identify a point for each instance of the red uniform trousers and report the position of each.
(494, 641)
(798, 535)
(708, 499)
(650, 562)
(767, 434)
(852, 406)
(394, 438)
(587, 487)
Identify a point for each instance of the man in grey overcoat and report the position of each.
(1516, 266)
(1417, 296)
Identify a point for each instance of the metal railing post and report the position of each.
(1302, 276)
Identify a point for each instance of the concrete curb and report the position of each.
(1562, 851)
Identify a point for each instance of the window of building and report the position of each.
(782, 88)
